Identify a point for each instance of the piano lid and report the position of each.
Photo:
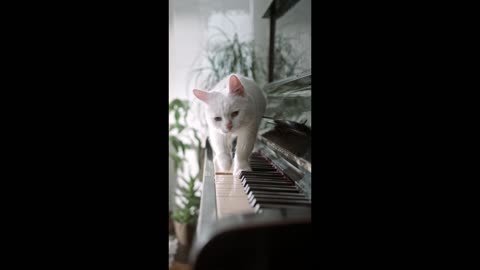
(287, 125)
(290, 99)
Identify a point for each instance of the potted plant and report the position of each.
(183, 138)
(185, 217)
(226, 54)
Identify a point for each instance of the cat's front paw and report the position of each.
(224, 162)
(238, 167)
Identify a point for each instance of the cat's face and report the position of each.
(227, 113)
(227, 110)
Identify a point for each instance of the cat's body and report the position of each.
(234, 109)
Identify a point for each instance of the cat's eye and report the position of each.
(217, 119)
(234, 113)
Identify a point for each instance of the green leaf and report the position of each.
(183, 190)
(174, 104)
(195, 135)
(182, 146)
(177, 115)
(178, 161)
(180, 127)
(175, 143)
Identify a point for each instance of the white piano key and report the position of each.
(230, 193)
(230, 196)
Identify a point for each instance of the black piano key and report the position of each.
(257, 164)
(284, 196)
(261, 174)
(285, 185)
(263, 187)
(279, 189)
(286, 212)
(266, 177)
(272, 177)
(253, 193)
(267, 188)
(267, 181)
(288, 189)
(250, 173)
(261, 164)
(256, 169)
(259, 160)
(271, 183)
(259, 201)
(276, 200)
(252, 197)
(247, 188)
(267, 206)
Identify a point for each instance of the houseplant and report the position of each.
(228, 54)
(185, 217)
(184, 138)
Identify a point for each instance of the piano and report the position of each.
(262, 219)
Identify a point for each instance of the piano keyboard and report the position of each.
(262, 188)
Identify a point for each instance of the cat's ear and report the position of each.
(235, 86)
(202, 95)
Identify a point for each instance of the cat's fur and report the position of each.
(233, 94)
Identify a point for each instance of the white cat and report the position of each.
(234, 109)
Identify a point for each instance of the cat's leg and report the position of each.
(245, 142)
(222, 150)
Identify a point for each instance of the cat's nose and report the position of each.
(229, 126)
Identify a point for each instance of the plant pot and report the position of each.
(184, 232)
(170, 224)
